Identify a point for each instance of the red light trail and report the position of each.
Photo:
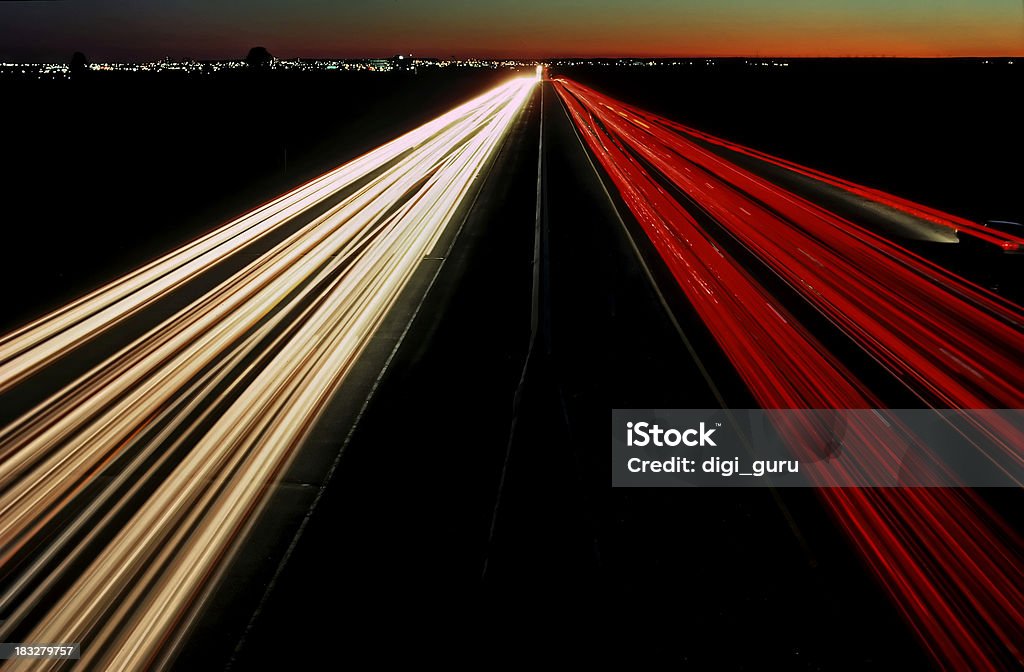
(1004, 240)
(952, 567)
(168, 447)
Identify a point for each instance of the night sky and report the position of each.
(119, 30)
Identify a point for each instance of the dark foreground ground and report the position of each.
(469, 519)
(103, 174)
(942, 133)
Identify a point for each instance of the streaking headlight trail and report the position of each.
(122, 494)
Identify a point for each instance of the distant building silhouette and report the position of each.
(259, 58)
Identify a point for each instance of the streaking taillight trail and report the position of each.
(953, 568)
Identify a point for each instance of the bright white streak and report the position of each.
(39, 343)
(351, 263)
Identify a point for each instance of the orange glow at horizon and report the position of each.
(830, 31)
(519, 28)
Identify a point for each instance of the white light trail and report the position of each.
(200, 415)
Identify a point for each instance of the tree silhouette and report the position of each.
(79, 64)
(258, 58)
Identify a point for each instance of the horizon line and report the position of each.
(542, 59)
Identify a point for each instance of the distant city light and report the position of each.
(403, 62)
(400, 63)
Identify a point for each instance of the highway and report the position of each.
(384, 397)
(124, 493)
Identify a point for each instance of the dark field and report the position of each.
(942, 133)
(103, 174)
